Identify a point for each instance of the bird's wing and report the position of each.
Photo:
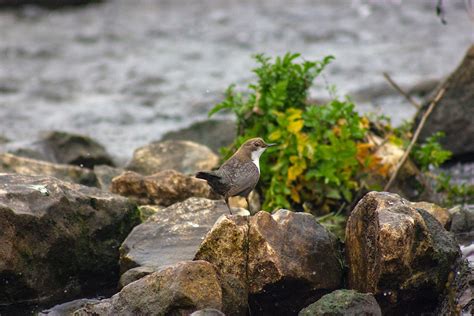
(243, 181)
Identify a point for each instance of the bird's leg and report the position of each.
(228, 206)
(248, 203)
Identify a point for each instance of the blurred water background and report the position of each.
(125, 72)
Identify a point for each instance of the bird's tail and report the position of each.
(214, 180)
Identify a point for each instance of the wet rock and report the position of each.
(463, 223)
(58, 239)
(343, 302)
(454, 112)
(440, 213)
(214, 134)
(26, 166)
(105, 174)
(135, 274)
(171, 235)
(179, 289)
(67, 308)
(400, 253)
(75, 149)
(183, 156)
(459, 299)
(286, 257)
(63, 148)
(163, 188)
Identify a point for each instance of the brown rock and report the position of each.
(286, 257)
(31, 167)
(400, 253)
(179, 289)
(183, 156)
(58, 239)
(440, 213)
(163, 188)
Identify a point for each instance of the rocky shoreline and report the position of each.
(171, 248)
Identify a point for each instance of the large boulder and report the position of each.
(171, 235)
(343, 302)
(179, 289)
(399, 252)
(286, 257)
(215, 134)
(32, 167)
(75, 149)
(454, 112)
(183, 156)
(58, 239)
(63, 148)
(163, 188)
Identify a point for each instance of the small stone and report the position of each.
(343, 302)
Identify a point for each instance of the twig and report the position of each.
(400, 90)
(439, 95)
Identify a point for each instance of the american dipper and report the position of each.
(239, 174)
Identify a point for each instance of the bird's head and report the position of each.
(254, 147)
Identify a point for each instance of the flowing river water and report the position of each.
(125, 72)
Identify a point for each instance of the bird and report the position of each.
(239, 175)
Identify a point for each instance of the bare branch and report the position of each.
(402, 161)
(400, 90)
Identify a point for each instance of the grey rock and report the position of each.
(179, 289)
(183, 156)
(399, 252)
(163, 188)
(67, 308)
(63, 148)
(58, 239)
(173, 234)
(135, 274)
(454, 112)
(462, 224)
(105, 174)
(214, 134)
(75, 149)
(26, 166)
(286, 257)
(343, 303)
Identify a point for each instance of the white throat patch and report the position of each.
(256, 156)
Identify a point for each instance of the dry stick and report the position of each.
(400, 90)
(439, 95)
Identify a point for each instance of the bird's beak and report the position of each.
(272, 144)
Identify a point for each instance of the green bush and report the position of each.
(316, 160)
(324, 156)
